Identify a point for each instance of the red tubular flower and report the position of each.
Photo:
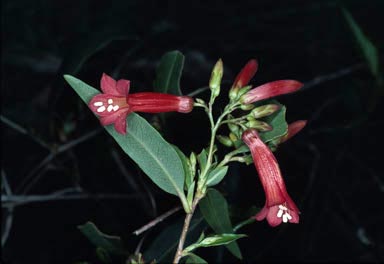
(279, 207)
(293, 129)
(270, 89)
(246, 74)
(115, 103)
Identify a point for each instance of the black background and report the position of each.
(332, 169)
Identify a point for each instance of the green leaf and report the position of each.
(195, 259)
(169, 73)
(111, 244)
(163, 247)
(278, 123)
(202, 159)
(369, 50)
(156, 157)
(186, 166)
(214, 208)
(213, 241)
(216, 175)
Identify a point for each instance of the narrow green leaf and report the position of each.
(195, 259)
(169, 73)
(186, 166)
(111, 244)
(368, 49)
(202, 159)
(214, 208)
(216, 175)
(213, 241)
(156, 157)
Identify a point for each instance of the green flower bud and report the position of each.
(225, 141)
(192, 160)
(244, 90)
(216, 76)
(259, 125)
(247, 107)
(265, 110)
(233, 128)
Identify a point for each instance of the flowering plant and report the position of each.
(250, 128)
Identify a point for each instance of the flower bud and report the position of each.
(247, 107)
(259, 125)
(264, 110)
(216, 76)
(293, 129)
(269, 90)
(233, 128)
(192, 161)
(225, 141)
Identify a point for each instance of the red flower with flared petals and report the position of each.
(115, 103)
(279, 207)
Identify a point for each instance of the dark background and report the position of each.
(332, 169)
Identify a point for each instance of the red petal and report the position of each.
(123, 87)
(246, 74)
(272, 218)
(262, 213)
(121, 124)
(271, 89)
(267, 168)
(108, 85)
(158, 103)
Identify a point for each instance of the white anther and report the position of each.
(288, 216)
(280, 213)
(110, 107)
(282, 207)
(115, 108)
(101, 109)
(285, 218)
(98, 103)
(110, 101)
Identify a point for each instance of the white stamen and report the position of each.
(98, 103)
(110, 107)
(285, 218)
(282, 207)
(288, 216)
(280, 213)
(115, 108)
(110, 101)
(101, 109)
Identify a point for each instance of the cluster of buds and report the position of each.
(243, 93)
(279, 207)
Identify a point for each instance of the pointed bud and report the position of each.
(293, 129)
(192, 161)
(233, 128)
(265, 110)
(216, 76)
(259, 125)
(225, 141)
(247, 107)
(270, 89)
(245, 75)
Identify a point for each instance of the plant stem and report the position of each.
(187, 221)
